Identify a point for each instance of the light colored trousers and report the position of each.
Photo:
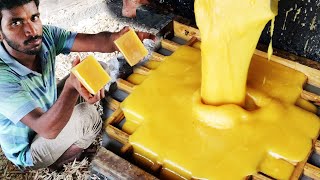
(81, 130)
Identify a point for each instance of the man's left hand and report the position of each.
(141, 35)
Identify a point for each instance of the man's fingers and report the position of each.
(76, 61)
(145, 35)
(85, 93)
(97, 96)
(92, 98)
(152, 37)
(125, 29)
(102, 93)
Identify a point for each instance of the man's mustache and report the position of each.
(33, 38)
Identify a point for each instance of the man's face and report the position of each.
(21, 29)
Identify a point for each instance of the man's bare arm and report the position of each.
(103, 41)
(49, 124)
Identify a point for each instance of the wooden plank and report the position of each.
(286, 55)
(299, 168)
(312, 74)
(125, 85)
(126, 148)
(185, 32)
(116, 117)
(112, 103)
(141, 70)
(259, 177)
(170, 45)
(145, 162)
(192, 41)
(311, 171)
(110, 166)
(317, 147)
(310, 96)
(157, 57)
(117, 134)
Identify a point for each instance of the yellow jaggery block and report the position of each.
(91, 74)
(306, 105)
(151, 64)
(197, 45)
(136, 78)
(229, 34)
(130, 126)
(166, 130)
(131, 47)
(274, 76)
(283, 168)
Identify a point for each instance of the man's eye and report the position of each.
(16, 23)
(35, 18)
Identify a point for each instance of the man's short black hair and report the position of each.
(9, 4)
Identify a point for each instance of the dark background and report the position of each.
(297, 26)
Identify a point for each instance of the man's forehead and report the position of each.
(20, 11)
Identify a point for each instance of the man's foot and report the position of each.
(129, 7)
(56, 168)
(89, 153)
(73, 152)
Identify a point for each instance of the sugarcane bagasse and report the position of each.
(222, 112)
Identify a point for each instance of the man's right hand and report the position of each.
(50, 123)
(74, 83)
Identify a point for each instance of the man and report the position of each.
(37, 128)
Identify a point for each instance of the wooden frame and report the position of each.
(192, 35)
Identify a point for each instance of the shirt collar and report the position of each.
(15, 65)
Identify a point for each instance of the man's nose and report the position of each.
(30, 29)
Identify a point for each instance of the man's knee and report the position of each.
(88, 114)
(90, 122)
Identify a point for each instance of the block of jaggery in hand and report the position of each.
(131, 47)
(91, 74)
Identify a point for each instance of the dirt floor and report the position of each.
(90, 16)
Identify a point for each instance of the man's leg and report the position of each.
(79, 133)
(129, 7)
(72, 153)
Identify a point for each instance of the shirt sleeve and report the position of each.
(63, 39)
(15, 102)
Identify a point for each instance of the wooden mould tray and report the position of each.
(191, 35)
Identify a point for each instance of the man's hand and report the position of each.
(75, 83)
(103, 41)
(141, 35)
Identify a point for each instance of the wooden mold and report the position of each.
(191, 36)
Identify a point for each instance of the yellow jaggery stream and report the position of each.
(136, 78)
(162, 114)
(270, 49)
(229, 32)
(306, 105)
